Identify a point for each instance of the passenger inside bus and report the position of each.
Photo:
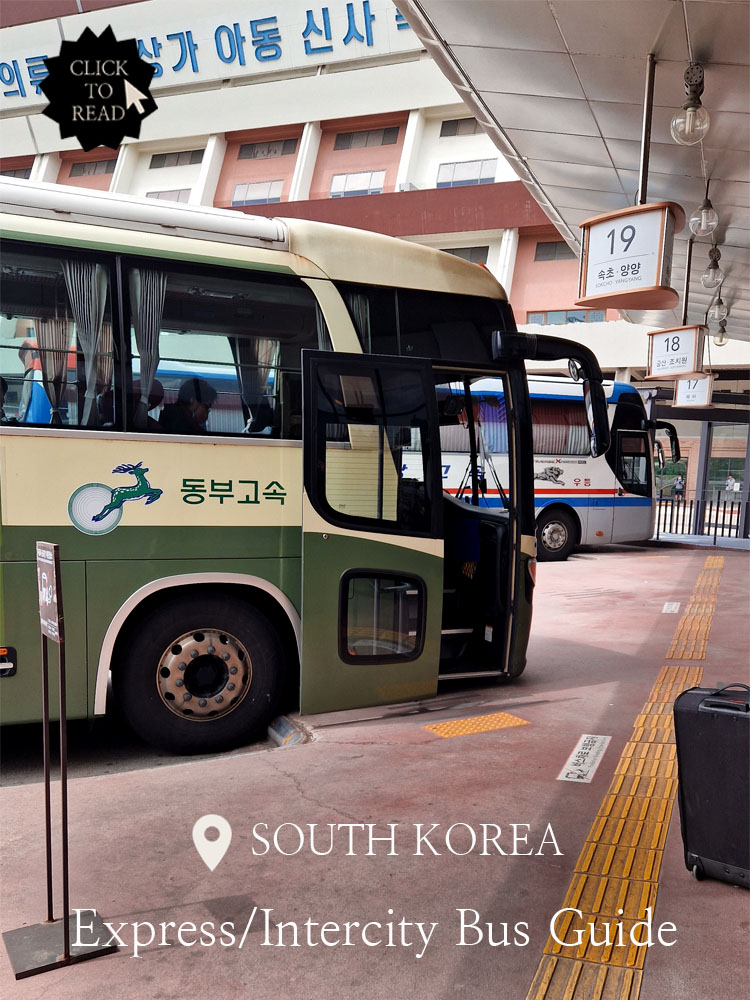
(190, 413)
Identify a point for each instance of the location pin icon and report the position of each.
(213, 850)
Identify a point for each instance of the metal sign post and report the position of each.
(36, 948)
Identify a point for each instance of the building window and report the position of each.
(93, 167)
(460, 126)
(23, 172)
(351, 185)
(469, 172)
(179, 195)
(477, 255)
(559, 250)
(557, 316)
(257, 193)
(370, 137)
(265, 150)
(181, 159)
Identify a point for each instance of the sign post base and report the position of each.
(41, 948)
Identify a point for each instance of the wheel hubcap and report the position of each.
(204, 674)
(554, 536)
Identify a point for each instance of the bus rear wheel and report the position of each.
(200, 675)
(555, 535)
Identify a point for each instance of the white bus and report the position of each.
(579, 499)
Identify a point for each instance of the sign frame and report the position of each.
(704, 377)
(49, 591)
(701, 332)
(657, 296)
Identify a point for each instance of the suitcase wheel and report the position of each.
(697, 873)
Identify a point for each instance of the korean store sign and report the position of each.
(676, 352)
(191, 42)
(627, 257)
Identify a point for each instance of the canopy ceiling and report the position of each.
(559, 85)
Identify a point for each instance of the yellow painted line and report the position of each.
(591, 955)
(475, 724)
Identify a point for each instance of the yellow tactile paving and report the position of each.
(592, 955)
(475, 724)
(640, 808)
(691, 637)
(610, 897)
(650, 833)
(564, 978)
(651, 760)
(607, 940)
(644, 784)
(641, 863)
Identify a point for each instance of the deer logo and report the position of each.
(121, 494)
(96, 509)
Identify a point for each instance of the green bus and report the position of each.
(209, 412)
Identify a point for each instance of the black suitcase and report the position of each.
(712, 732)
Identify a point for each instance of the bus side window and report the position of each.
(56, 343)
(235, 337)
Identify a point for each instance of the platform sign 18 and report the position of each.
(627, 257)
(693, 391)
(676, 352)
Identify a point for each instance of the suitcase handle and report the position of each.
(724, 705)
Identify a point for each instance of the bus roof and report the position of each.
(343, 254)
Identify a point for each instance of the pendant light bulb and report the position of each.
(721, 339)
(690, 124)
(704, 219)
(718, 311)
(713, 276)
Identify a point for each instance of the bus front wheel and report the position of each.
(555, 535)
(200, 674)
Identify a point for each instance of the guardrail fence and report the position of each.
(716, 513)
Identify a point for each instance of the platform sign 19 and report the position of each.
(676, 352)
(627, 257)
(693, 391)
(50, 596)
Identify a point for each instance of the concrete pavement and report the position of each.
(445, 919)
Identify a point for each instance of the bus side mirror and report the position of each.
(595, 402)
(674, 441)
(659, 455)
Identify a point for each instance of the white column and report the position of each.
(204, 190)
(506, 263)
(410, 150)
(623, 375)
(307, 154)
(45, 167)
(127, 160)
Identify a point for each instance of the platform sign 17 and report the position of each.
(693, 391)
(627, 257)
(676, 352)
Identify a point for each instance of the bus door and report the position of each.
(372, 548)
(599, 525)
(634, 472)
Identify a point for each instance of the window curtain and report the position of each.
(86, 283)
(359, 310)
(257, 362)
(559, 428)
(105, 359)
(53, 338)
(147, 290)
